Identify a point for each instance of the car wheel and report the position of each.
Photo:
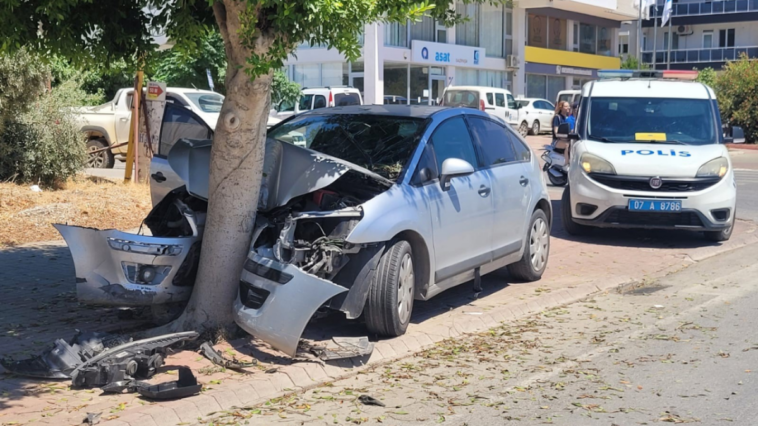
(523, 129)
(536, 128)
(722, 235)
(101, 159)
(534, 261)
(390, 298)
(569, 225)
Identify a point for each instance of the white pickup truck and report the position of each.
(108, 124)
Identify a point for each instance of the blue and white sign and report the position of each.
(426, 52)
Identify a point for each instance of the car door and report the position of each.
(123, 117)
(462, 216)
(497, 157)
(546, 113)
(178, 122)
(502, 108)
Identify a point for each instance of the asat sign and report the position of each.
(426, 52)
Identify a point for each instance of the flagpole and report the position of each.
(655, 37)
(639, 38)
(671, 37)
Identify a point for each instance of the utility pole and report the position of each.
(671, 38)
(639, 36)
(655, 38)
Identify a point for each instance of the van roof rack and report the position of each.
(329, 87)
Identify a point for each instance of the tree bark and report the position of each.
(235, 178)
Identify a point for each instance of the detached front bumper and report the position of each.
(116, 268)
(276, 301)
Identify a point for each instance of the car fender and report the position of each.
(99, 129)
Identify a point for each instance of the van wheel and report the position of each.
(102, 159)
(523, 129)
(390, 298)
(534, 261)
(569, 225)
(536, 128)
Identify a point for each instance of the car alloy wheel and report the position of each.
(539, 239)
(536, 128)
(405, 286)
(523, 129)
(95, 160)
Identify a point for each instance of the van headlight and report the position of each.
(714, 168)
(594, 164)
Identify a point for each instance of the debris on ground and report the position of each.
(92, 418)
(370, 400)
(215, 357)
(346, 347)
(186, 386)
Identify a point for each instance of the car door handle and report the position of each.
(124, 119)
(158, 177)
(484, 191)
(523, 181)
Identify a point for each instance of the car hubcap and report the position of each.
(536, 128)
(406, 282)
(97, 159)
(524, 129)
(538, 244)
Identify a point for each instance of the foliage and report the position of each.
(283, 90)
(44, 144)
(631, 63)
(100, 83)
(22, 79)
(186, 67)
(707, 76)
(736, 89)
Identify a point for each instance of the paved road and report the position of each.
(680, 349)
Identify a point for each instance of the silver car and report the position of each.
(363, 210)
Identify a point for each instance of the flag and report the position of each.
(667, 10)
(645, 5)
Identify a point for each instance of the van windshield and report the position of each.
(647, 120)
(462, 98)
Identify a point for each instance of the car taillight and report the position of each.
(331, 100)
(481, 104)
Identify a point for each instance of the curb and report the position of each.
(306, 375)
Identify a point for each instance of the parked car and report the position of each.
(385, 204)
(395, 100)
(493, 100)
(570, 96)
(318, 97)
(534, 115)
(108, 124)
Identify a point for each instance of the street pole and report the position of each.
(671, 37)
(655, 37)
(639, 38)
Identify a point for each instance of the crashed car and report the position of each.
(383, 205)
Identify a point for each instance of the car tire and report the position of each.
(532, 264)
(720, 236)
(523, 129)
(390, 299)
(100, 160)
(569, 225)
(536, 128)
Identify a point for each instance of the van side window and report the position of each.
(511, 102)
(490, 101)
(499, 99)
(319, 102)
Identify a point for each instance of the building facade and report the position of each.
(534, 48)
(703, 34)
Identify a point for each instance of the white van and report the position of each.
(570, 96)
(493, 100)
(319, 97)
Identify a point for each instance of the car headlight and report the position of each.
(594, 164)
(714, 168)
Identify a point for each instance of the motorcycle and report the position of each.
(555, 165)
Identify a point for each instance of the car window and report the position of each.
(319, 102)
(346, 99)
(523, 104)
(426, 170)
(207, 102)
(549, 106)
(305, 102)
(490, 99)
(286, 106)
(499, 99)
(493, 142)
(566, 98)
(178, 123)
(511, 102)
(451, 139)
(522, 151)
(462, 98)
(176, 100)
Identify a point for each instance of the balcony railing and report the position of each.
(710, 8)
(719, 54)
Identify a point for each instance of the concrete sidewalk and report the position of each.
(39, 305)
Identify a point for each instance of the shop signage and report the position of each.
(537, 68)
(426, 52)
(573, 71)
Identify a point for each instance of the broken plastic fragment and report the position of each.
(215, 357)
(186, 386)
(347, 347)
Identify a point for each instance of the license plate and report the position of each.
(655, 205)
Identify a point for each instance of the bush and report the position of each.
(707, 76)
(736, 89)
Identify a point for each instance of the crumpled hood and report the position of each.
(289, 171)
(637, 159)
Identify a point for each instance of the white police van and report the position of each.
(649, 152)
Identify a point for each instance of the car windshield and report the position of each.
(382, 144)
(647, 120)
(207, 102)
(462, 98)
(523, 103)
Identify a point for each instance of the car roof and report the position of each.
(649, 88)
(533, 99)
(327, 89)
(412, 111)
(478, 88)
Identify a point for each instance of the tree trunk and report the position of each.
(235, 178)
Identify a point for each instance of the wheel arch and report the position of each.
(545, 206)
(421, 258)
(96, 132)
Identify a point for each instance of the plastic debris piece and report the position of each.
(370, 400)
(215, 357)
(186, 386)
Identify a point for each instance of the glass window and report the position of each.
(558, 32)
(178, 123)
(286, 106)
(523, 153)
(604, 41)
(726, 38)
(451, 139)
(689, 121)
(555, 85)
(491, 78)
(382, 144)
(426, 169)
(492, 29)
(708, 40)
(493, 142)
(587, 38)
(511, 102)
(466, 77)
(467, 33)
(423, 30)
(537, 31)
(576, 37)
(307, 75)
(396, 34)
(319, 102)
(674, 41)
(462, 98)
(332, 74)
(306, 101)
(207, 102)
(499, 100)
(346, 99)
(396, 83)
(536, 86)
(419, 83)
(490, 99)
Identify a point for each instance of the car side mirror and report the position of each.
(454, 167)
(738, 135)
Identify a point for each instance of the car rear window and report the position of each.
(346, 99)
(462, 98)
(207, 102)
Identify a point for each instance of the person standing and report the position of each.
(571, 119)
(562, 111)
